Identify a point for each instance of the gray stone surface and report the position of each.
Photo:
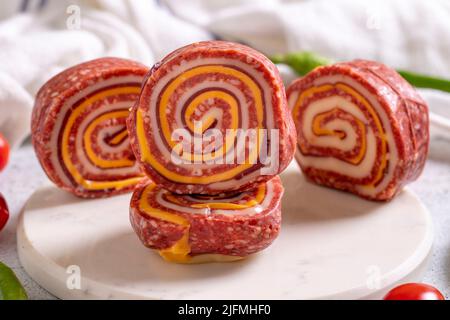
(24, 175)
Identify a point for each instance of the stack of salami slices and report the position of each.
(212, 131)
(200, 138)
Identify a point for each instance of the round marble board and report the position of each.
(332, 245)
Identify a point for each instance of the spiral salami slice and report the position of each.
(202, 228)
(212, 117)
(79, 127)
(361, 128)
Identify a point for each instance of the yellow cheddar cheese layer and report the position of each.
(317, 130)
(180, 251)
(147, 155)
(66, 156)
(99, 162)
(207, 121)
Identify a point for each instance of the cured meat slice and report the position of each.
(203, 228)
(361, 128)
(79, 127)
(212, 117)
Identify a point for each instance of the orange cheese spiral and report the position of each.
(79, 127)
(206, 116)
(205, 228)
(361, 128)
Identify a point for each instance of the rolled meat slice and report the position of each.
(212, 117)
(360, 128)
(79, 127)
(201, 228)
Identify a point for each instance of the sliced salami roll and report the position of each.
(212, 117)
(79, 127)
(361, 128)
(202, 228)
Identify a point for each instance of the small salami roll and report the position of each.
(212, 117)
(361, 128)
(79, 127)
(200, 228)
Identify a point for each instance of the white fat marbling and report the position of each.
(266, 94)
(336, 165)
(58, 127)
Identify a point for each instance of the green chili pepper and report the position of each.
(10, 287)
(304, 61)
(423, 81)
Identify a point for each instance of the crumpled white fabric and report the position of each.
(405, 34)
(38, 44)
(408, 34)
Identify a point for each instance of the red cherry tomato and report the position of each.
(4, 212)
(414, 291)
(4, 152)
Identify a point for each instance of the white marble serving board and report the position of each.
(332, 245)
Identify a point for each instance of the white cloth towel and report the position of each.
(52, 35)
(39, 38)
